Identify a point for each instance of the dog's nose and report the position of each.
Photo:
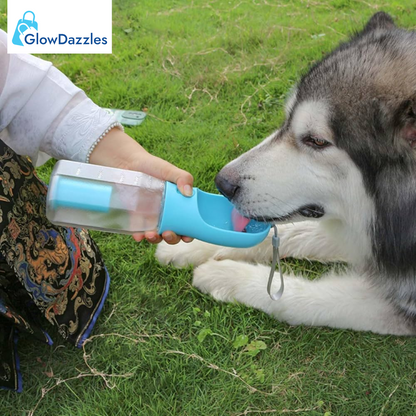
(227, 188)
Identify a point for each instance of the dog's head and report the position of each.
(346, 148)
(350, 120)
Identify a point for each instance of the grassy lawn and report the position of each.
(213, 76)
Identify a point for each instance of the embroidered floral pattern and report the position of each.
(79, 130)
(58, 271)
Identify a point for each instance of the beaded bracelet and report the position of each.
(111, 126)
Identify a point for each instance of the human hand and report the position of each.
(119, 150)
(159, 168)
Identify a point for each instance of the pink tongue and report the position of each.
(239, 222)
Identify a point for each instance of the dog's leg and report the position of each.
(347, 301)
(308, 239)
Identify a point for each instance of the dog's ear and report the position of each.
(379, 20)
(405, 122)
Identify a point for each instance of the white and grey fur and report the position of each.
(345, 161)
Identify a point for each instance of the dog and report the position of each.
(339, 180)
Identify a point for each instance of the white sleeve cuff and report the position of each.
(78, 131)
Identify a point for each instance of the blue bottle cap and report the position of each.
(207, 217)
(81, 194)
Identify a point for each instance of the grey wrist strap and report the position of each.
(276, 259)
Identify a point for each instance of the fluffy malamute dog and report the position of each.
(340, 176)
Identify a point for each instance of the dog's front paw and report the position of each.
(185, 254)
(227, 280)
(215, 278)
(233, 281)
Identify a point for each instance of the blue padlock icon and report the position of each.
(22, 26)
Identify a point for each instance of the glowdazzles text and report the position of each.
(62, 39)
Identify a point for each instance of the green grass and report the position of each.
(213, 75)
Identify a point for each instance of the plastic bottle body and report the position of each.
(102, 198)
(123, 201)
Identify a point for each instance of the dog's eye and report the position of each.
(315, 142)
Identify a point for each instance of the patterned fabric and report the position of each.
(46, 271)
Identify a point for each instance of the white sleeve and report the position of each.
(41, 110)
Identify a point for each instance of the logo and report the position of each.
(26, 33)
(48, 26)
(25, 26)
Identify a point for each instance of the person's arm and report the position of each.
(119, 150)
(43, 111)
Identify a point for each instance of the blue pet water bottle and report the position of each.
(124, 201)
